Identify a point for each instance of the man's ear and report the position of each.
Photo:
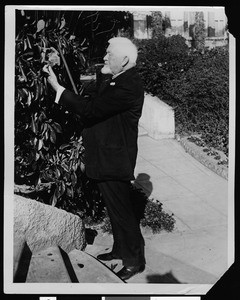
(125, 61)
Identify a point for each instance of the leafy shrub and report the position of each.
(198, 32)
(195, 84)
(161, 60)
(106, 224)
(156, 218)
(148, 212)
(201, 98)
(48, 148)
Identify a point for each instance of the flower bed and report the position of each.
(214, 159)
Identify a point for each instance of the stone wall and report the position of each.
(157, 118)
(44, 226)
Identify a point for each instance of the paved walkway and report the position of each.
(196, 251)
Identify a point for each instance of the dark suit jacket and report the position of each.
(111, 126)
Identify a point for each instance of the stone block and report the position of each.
(43, 226)
(157, 118)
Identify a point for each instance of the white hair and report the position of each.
(125, 47)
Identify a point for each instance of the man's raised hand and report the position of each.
(52, 79)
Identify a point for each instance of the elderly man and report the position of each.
(110, 138)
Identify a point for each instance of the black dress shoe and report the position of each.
(108, 256)
(127, 272)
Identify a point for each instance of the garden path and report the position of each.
(199, 250)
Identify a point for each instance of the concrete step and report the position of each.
(90, 270)
(53, 265)
(48, 266)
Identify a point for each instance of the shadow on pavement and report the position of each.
(165, 278)
(24, 263)
(143, 179)
(68, 266)
(90, 235)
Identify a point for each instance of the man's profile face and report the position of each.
(112, 61)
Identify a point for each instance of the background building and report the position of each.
(182, 20)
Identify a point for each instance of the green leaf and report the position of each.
(63, 146)
(25, 44)
(74, 167)
(70, 192)
(37, 156)
(34, 125)
(62, 188)
(43, 128)
(38, 181)
(72, 155)
(40, 25)
(52, 134)
(57, 127)
(74, 179)
(53, 199)
(58, 173)
(37, 90)
(40, 144)
(31, 157)
(29, 99)
(29, 44)
(81, 58)
(71, 164)
(46, 134)
(46, 176)
(21, 93)
(65, 166)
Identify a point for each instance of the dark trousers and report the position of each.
(127, 237)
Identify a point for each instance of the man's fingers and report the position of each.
(51, 77)
(46, 69)
(50, 70)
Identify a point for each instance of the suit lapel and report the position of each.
(122, 77)
(104, 84)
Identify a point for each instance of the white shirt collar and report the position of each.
(116, 75)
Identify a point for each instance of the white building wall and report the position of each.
(182, 20)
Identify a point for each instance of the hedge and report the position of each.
(195, 84)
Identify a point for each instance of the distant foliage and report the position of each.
(206, 103)
(161, 60)
(199, 32)
(195, 84)
(156, 24)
